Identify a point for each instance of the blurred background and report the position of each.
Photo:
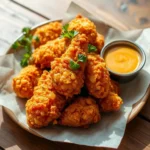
(123, 14)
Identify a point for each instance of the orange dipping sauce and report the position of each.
(122, 59)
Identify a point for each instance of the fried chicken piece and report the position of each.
(45, 54)
(114, 87)
(46, 33)
(85, 26)
(97, 78)
(99, 43)
(67, 81)
(110, 103)
(82, 112)
(45, 105)
(24, 83)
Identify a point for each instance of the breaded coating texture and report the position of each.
(24, 83)
(66, 81)
(110, 103)
(45, 105)
(47, 32)
(99, 43)
(85, 26)
(114, 87)
(82, 112)
(97, 78)
(45, 54)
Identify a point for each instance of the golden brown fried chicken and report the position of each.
(45, 54)
(97, 78)
(45, 105)
(85, 26)
(66, 80)
(47, 32)
(114, 87)
(112, 102)
(99, 43)
(82, 112)
(24, 83)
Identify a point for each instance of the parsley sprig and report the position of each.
(91, 48)
(74, 65)
(68, 34)
(25, 42)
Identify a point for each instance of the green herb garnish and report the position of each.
(68, 34)
(36, 38)
(26, 30)
(74, 65)
(91, 48)
(25, 42)
(81, 58)
(24, 60)
(65, 28)
(16, 45)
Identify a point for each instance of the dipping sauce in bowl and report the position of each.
(122, 59)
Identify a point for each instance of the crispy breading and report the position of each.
(66, 81)
(24, 83)
(114, 87)
(85, 26)
(54, 97)
(47, 32)
(45, 54)
(82, 112)
(99, 43)
(110, 103)
(45, 105)
(97, 78)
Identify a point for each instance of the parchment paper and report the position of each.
(110, 130)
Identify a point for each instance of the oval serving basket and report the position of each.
(136, 107)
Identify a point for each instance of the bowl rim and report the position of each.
(128, 43)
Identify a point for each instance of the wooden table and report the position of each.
(124, 14)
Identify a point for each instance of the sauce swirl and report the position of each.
(122, 59)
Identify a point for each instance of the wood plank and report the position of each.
(20, 13)
(146, 110)
(129, 13)
(12, 19)
(50, 9)
(136, 137)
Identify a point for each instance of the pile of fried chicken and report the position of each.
(60, 68)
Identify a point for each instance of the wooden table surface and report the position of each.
(124, 14)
